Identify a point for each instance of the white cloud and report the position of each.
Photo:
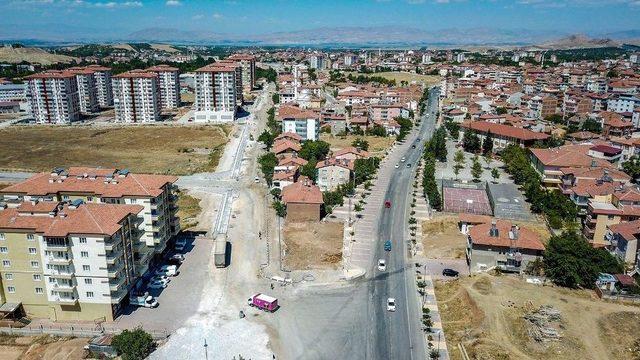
(173, 3)
(217, 16)
(197, 17)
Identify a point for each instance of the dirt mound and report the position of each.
(483, 285)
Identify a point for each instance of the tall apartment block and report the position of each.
(104, 90)
(169, 82)
(87, 90)
(248, 64)
(316, 61)
(68, 261)
(155, 193)
(53, 97)
(238, 78)
(216, 92)
(136, 97)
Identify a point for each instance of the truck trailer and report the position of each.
(220, 251)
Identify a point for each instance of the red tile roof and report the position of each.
(302, 192)
(527, 239)
(504, 130)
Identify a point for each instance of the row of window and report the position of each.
(7, 263)
(5, 250)
(40, 291)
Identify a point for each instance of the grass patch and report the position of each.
(188, 210)
(142, 149)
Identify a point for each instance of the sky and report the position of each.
(120, 17)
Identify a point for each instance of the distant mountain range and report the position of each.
(324, 36)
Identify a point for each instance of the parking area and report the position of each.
(434, 267)
(181, 298)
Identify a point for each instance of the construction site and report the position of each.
(504, 317)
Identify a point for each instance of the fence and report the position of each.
(626, 298)
(72, 330)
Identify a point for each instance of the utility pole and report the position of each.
(206, 355)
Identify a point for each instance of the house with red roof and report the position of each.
(503, 135)
(303, 200)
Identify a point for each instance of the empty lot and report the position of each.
(485, 314)
(313, 245)
(144, 149)
(377, 144)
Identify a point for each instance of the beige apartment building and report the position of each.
(155, 193)
(216, 92)
(68, 261)
(169, 82)
(248, 64)
(53, 97)
(136, 97)
(333, 173)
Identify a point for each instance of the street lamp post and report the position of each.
(206, 355)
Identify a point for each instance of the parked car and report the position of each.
(387, 245)
(161, 278)
(147, 301)
(180, 244)
(413, 146)
(387, 204)
(397, 166)
(167, 270)
(403, 159)
(157, 284)
(450, 272)
(256, 179)
(382, 265)
(391, 304)
(408, 165)
(176, 258)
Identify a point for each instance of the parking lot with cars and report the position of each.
(176, 283)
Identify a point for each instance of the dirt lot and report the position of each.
(442, 239)
(313, 245)
(399, 76)
(377, 145)
(143, 149)
(188, 210)
(41, 348)
(485, 314)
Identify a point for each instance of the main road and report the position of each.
(398, 335)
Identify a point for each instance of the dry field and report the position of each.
(377, 145)
(313, 245)
(485, 314)
(188, 210)
(442, 239)
(32, 55)
(143, 149)
(409, 77)
(164, 47)
(42, 347)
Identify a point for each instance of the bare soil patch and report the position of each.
(143, 149)
(377, 145)
(442, 239)
(313, 245)
(486, 314)
(188, 210)
(41, 348)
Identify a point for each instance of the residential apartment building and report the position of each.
(305, 123)
(216, 93)
(136, 97)
(333, 173)
(316, 61)
(619, 206)
(104, 87)
(53, 97)
(248, 64)
(68, 261)
(503, 135)
(87, 90)
(623, 103)
(155, 193)
(13, 92)
(169, 83)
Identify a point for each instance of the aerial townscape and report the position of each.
(398, 179)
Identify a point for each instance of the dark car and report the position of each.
(450, 272)
(413, 146)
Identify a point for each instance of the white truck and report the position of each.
(144, 300)
(220, 251)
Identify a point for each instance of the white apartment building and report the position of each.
(104, 89)
(13, 92)
(68, 261)
(350, 59)
(136, 97)
(316, 61)
(169, 82)
(53, 97)
(248, 64)
(216, 93)
(238, 78)
(622, 103)
(87, 90)
(155, 193)
(305, 123)
(426, 58)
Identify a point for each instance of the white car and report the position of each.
(160, 278)
(256, 179)
(397, 166)
(403, 159)
(382, 265)
(157, 284)
(167, 270)
(391, 304)
(180, 244)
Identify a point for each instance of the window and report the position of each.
(11, 289)
(88, 281)
(39, 290)
(8, 276)
(35, 264)
(3, 249)
(83, 240)
(89, 294)
(52, 280)
(33, 251)
(65, 197)
(1, 236)
(30, 237)
(89, 198)
(84, 254)
(86, 267)
(6, 263)
(37, 277)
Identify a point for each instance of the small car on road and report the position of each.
(397, 166)
(450, 272)
(382, 265)
(391, 304)
(403, 159)
(408, 165)
(157, 284)
(387, 204)
(387, 245)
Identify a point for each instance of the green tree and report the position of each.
(133, 345)
(280, 208)
(314, 150)
(592, 125)
(458, 158)
(361, 144)
(267, 139)
(495, 174)
(309, 170)
(267, 163)
(471, 141)
(476, 169)
(405, 127)
(501, 110)
(364, 169)
(632, 167)
(275, 98)
(377, 130)
(438, 144)
(453, 128)
(554, 118)
(572, 262)
(487, 144)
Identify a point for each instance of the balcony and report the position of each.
(59, 260)
(114, 270)
(113, 256)
(64, 300)
(117, 296)
(66, 272)
(68, 286)
(56, 246)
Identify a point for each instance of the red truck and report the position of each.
(263, 302)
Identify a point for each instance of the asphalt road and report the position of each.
(397, 335)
